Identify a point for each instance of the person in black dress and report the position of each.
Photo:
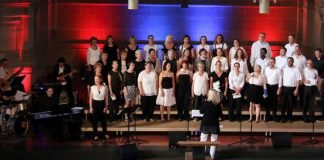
(111, 48)
(219, 80)
(115, 90)
(184, 80)
(105, 66)
(212, 111)
(131, 49)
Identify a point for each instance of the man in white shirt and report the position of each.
(263, 61)
(299, 59)
(310, 91)
(256, 48)
(291, 45)
(300, 63)
(291, 78)
(281, 60)
(274, 82)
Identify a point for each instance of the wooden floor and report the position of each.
(226, 126)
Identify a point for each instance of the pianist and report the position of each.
(48, 102)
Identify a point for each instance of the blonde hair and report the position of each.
(213, 96)
(138, 52)
(167, 38)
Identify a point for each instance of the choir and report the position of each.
(185, 74)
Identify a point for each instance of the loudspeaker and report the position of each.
(174, 137)
(126, 152)
(281, 140)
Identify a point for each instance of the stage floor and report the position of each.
(297, 126)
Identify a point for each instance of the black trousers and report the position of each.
(272, 100)
(99, 115)
(148, 105)
(287, 100)
(114, 105)
(234, 105)
(198, 100)
(309, 100)
(183, 100)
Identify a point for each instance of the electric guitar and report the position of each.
(13, 76)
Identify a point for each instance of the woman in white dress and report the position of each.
(166, 95)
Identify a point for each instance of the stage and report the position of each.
(297, 126)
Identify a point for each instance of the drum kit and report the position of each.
(15, 119)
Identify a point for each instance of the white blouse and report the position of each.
(260, 80)
(93, 56)
(224, 64)
(263, 63)
(236, 81)
(99, 95)
(281, 61)
(290, 49)
(233, 50)
(148, 82)
(200, 86)
(256, 48)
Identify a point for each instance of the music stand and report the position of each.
(194, 114)
(313, 139)
(129, 139)
(241, 141)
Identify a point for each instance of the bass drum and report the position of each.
(18, 125)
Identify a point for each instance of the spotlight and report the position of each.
(184, 4)
(264, 6)
(132, 4)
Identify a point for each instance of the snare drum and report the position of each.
(18, 125)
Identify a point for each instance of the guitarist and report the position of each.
(63, 77)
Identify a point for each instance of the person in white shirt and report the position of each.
(219, 57)
(257, 92)
(236, 83)
(148, 88)
(200, 86)
(299, 59)
(263, 61)
(186, 45)
(203, 44)
(219, 43)
(300, 63)
(281, 60)
(242, 60)
(149, 46)
(256, 48)
(291, 78)
(98, 103)
(274, 82)
(93, 53)
(290, 46)
(310, 91)
(233, 50)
